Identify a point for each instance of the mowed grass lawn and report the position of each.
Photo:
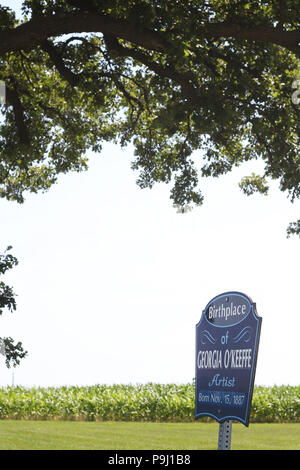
(112, 435)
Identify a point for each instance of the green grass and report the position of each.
(111, 435)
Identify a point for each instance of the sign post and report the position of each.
(225, 430)
(227, 339)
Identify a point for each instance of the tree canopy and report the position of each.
(168, 76)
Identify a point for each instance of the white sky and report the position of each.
(111, 280)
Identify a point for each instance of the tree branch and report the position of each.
(282, 13)
(168, 72)
(57, 60)
(29, 35)
(14, 100)
(288, 39)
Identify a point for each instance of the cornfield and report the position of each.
(148, 402)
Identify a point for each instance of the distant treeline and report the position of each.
(147, 402)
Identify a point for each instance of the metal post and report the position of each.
(225, 430)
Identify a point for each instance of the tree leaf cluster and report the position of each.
(170, 77)
(13, 352)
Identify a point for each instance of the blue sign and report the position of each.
(227, 339)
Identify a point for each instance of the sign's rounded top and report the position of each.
(228, 309)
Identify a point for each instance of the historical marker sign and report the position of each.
(227, 338)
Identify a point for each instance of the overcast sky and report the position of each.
(111, 280)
